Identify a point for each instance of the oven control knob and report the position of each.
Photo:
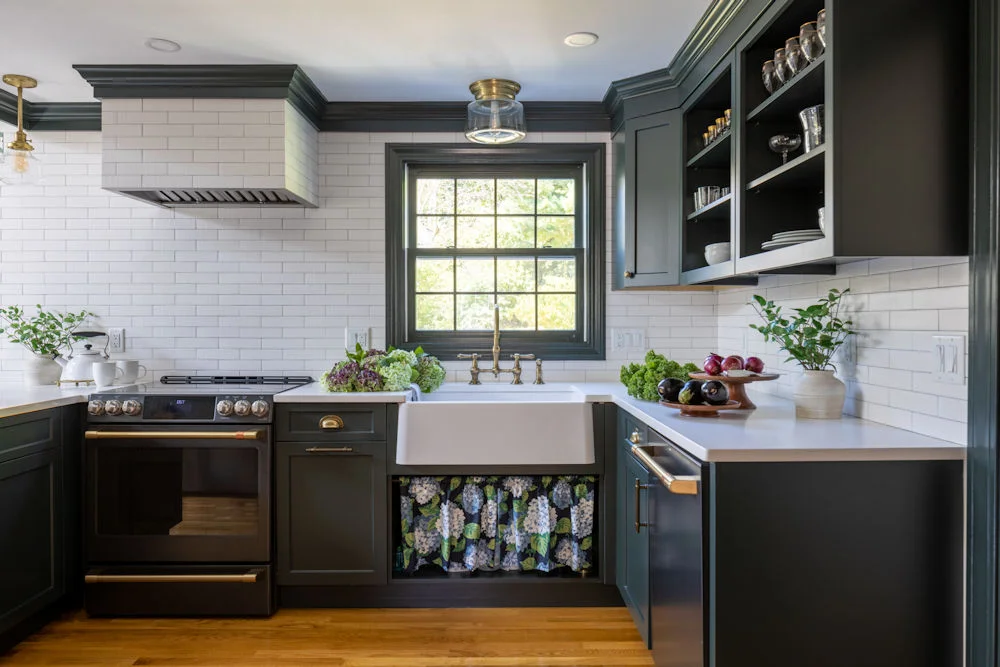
(132, 408)
(224, 408)
(260, 408)
(95, 408)
(113, 407)
(241, 408)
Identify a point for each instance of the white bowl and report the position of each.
(717, 253)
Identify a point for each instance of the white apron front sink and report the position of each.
(480, 425)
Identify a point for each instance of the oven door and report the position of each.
(178, 494)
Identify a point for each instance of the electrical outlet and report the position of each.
(628, 340)
(117, 339)
(354, 336)
(947, 359)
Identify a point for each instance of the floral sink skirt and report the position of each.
(517, 523)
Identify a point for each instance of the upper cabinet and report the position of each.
(862, 151)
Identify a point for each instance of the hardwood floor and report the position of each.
(603, 636)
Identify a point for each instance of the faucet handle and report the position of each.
(474, 355)
(522, 356)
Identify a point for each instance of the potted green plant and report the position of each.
(811, 337)
(44, 334)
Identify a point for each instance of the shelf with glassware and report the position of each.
(709, 140)
(783, 155)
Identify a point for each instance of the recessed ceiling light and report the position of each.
(165, 45)
(580, 39)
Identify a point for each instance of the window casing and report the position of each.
(520, 225)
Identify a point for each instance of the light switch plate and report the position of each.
(354, 336)
(116, 341)
(628, 340)
(948, 359)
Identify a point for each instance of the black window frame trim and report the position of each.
(398, 157)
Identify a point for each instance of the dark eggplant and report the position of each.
(690, 394)
(715, 393)
(669, 388)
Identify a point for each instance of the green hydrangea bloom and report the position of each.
(397, 375)
(430, 373)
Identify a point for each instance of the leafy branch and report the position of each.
(46, 333)
(812, 335)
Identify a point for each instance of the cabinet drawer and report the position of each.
(26, 434)
(341, 422)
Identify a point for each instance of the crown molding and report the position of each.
(451, 117)
(42, 116)
(704, 35)
(8, 107)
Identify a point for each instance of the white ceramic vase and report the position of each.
(819, 395)
(40, 371)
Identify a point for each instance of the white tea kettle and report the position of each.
(78, 366)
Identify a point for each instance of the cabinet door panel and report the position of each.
(652, 225)
(31, 565)
(637, 556)
(331, 514)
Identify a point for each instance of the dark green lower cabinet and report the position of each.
(632, 553)
(332, 524)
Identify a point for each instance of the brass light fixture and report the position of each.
(495, 117)
(20, 166)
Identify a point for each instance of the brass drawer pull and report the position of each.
(635, 438)
(332, 422)
(329, 450)
(248, 578)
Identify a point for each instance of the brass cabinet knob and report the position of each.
(630, 274)
(331, 422)
(635, 438)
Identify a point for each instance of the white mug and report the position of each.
(130, 370)
(105, 373)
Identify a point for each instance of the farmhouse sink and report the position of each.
(460, 424)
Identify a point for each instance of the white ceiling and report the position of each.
(361, 50)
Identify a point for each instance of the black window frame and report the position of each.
(404, 161)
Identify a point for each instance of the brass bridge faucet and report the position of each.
(515, 370)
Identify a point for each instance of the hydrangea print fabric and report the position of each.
(518, 523)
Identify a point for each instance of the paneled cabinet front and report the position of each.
(32, 566)
(647, 213)
(633, 537)
(331, 516)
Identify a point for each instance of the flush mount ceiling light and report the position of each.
(495, 117)
(20, 166)
(580, 39)
(164, 45)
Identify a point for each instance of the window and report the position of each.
(470, 229)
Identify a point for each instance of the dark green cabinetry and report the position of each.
(331, 499)
(632, 514)
(647, 160)
(39, 529)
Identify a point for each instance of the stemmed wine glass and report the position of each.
(769, 77)
(821, 26)
(784, 144)
(810, 42)
(781, 71)
(794, 57)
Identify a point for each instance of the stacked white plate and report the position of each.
(782, 239)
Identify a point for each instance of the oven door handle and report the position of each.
(246, 578)
(253, 434)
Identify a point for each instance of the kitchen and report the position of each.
(278, 290)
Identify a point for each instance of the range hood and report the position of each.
(184, 153)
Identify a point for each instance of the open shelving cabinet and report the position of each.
(710, 165)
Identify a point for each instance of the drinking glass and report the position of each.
(794, 57)
(812, 126)
(728, 114)
(809, 40)
(781, 71)
(720, 123)
(705, 136)
(769, 77)
(821, 26)
(784, 144)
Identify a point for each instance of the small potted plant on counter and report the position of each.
(43, 334)
(379, 370)
(811, 337)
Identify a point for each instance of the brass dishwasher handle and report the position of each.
(328, 450)
(639, 486)
(331, 422)
(248, 578)
(173, 435)
(686, 486)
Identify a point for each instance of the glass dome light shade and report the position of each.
(20, 167)
(495, 117)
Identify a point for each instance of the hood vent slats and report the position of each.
(179, 198)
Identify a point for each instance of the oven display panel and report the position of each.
(173, 407)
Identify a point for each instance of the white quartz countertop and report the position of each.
(769, 433)
(17, 399)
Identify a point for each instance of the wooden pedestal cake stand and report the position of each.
(735, 386)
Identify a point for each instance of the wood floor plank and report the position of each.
(504, 637)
